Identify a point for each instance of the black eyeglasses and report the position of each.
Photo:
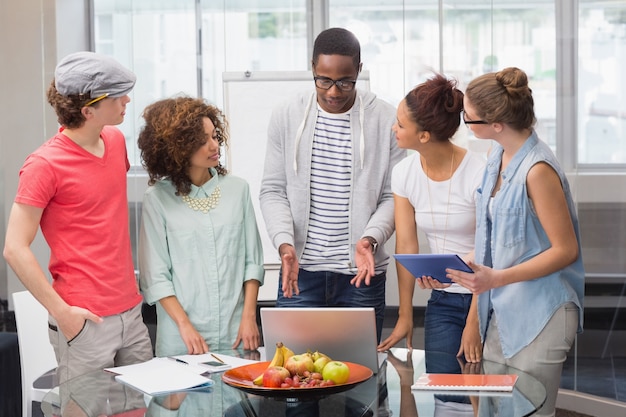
(326, 83)
(473, 122)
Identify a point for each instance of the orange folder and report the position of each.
(465, 382)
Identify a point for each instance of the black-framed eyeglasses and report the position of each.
(326, 83)
(473, 122)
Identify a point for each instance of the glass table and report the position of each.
(387, 393)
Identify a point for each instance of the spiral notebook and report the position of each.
(465, 382)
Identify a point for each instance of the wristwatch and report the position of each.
(373, 243)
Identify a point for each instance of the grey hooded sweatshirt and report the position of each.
(285, 187)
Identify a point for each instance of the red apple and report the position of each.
(299, 364)
(274, 376)
(336, 371)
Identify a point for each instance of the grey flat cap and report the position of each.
(92, 74)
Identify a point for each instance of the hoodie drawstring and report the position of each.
(300, 130)
(362, 137)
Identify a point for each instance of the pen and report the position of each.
(217, 359)
(177, 360)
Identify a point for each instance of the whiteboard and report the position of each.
(249, 98)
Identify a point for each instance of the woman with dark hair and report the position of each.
(200, 254)
(528, 255)
(434, 192)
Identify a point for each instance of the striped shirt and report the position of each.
(327, 246)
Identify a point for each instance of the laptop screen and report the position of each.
(344, 334)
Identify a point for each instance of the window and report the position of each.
(159, 41)
(405, 41)
(601, 85)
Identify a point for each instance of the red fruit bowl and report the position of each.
(242, 377)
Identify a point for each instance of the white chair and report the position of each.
(36, 353)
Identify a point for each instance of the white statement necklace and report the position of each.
(432, 215)
(204, 204)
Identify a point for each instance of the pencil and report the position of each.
(217, 359)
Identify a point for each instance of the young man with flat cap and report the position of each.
(74, 188)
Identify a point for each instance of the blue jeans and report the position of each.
(444, 322)
(329, 289)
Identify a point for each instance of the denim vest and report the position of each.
(515, 235)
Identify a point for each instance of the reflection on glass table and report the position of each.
(387, 393)
(404, 367)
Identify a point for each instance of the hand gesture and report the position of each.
(364, 263)
(290, 267)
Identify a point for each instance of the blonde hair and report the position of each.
(503, 97)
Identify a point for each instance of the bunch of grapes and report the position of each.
(307, 380)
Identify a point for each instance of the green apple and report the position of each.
(336, 371)
(320, 363)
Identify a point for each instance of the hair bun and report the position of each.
(514, 81)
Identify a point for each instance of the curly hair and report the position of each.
(68, 108)
(337, 41)
(503, 97)
(173, 132)
(436, 106)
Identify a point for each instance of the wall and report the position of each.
(25, 116)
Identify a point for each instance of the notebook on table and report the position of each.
(344, 334)
(465, 382)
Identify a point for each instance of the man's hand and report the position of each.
(364, 263)
(290, 267)
(71, 323)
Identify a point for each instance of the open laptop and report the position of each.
(344, 334)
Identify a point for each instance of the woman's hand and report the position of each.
(483, 279)
(403, 328)
(430, 283)
(196, 345)
(248, 334)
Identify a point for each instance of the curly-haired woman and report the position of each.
(200, 254)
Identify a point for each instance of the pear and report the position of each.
(320, 363)
(317, 354)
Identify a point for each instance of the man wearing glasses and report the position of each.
(325, 194)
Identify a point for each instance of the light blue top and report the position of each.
(514, 235)
(201, 258)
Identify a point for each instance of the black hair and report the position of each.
(337, 41)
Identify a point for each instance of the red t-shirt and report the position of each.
(85, 220)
